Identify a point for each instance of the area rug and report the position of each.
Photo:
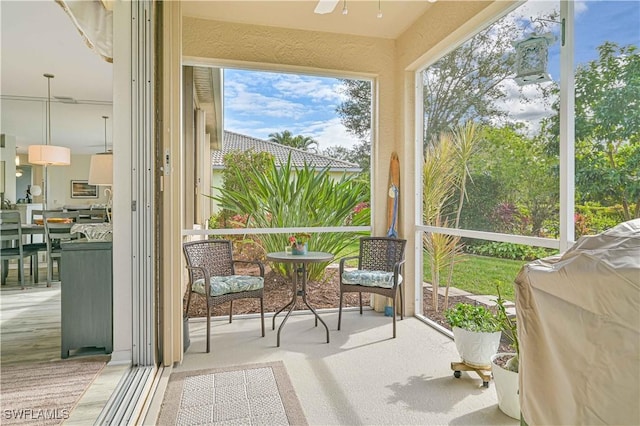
(255, 394)
(44, 393)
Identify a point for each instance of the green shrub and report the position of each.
(482, 195)
(233, 178)
(598, 218)
(510, 251)
(472, 318)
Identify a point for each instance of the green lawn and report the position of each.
(480, 274)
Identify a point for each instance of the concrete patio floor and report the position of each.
(362, 377)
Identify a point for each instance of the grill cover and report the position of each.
(578, 319)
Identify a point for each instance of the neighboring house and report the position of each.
(236, 142)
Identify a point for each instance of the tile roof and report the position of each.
(237, 142)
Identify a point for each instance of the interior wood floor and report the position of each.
(30, 331)
(29, 319)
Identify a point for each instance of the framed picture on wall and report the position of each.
(82, 189)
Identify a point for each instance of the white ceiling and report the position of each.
(37, 37)
(397, 15)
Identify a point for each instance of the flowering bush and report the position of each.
(300, 238)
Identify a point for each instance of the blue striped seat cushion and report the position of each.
(229, 284)
(369, 278)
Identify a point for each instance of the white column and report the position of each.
(121, 216)
(567, 128)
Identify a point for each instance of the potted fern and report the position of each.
(476, 332)
(505, 365)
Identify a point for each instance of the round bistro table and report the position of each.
(299, 262)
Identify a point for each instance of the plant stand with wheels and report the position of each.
(483, 372)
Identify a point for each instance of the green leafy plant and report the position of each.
(509, 328)
(476, 318)
(284, 196)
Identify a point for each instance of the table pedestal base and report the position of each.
(299, 272)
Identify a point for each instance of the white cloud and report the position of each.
(317, 89)
(326, 133)
(260, 103)
(287, 85)
(330, 133)
(580, 7)
(242, 101)
(525, 104)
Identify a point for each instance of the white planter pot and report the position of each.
(506, 384)
(475, 348)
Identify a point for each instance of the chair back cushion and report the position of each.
(229, 284)
(369, 278)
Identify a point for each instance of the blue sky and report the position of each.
(596, 22)
(260, 103)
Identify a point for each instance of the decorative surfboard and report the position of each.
(393, 196)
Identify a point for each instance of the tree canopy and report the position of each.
(306, 143)
(462, 86)
(355, 110)
(607, 129)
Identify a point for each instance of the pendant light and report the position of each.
(48, 155)
(101, 167)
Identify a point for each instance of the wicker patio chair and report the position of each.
(212, 275)
(379, 271)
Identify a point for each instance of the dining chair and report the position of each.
(212, 275)
(12, 244)
(379, 271)
(57, 228)
(38, 244)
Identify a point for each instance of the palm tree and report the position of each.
(305, 143)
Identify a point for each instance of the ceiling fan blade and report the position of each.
(325, 6)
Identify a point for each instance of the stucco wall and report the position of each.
(312, 52)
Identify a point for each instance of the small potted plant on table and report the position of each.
(476, 332)
(299, 242)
